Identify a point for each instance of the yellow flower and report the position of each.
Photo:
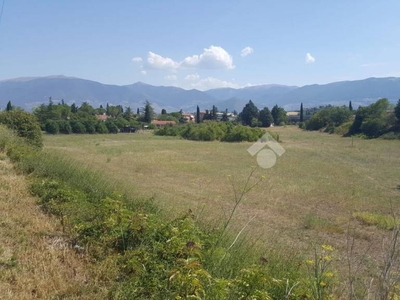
(322, 284)
(327, 258)
(327, 247)
(309, 262)
(329, 274)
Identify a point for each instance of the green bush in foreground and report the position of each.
(24, 124)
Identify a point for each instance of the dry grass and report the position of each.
(320, 174)
(36, 262)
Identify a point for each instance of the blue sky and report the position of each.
(201, 44)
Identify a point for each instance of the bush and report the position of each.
(78, 127)
(391, 136)
(101, 128)
(212, 131)
(24, 125)
(52, 127)
(112, 128)
(65, 127)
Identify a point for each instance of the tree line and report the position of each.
(372, 121)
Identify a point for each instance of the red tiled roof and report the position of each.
(156, 122)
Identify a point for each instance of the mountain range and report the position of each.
(29, 92)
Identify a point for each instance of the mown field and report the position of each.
(310, 196)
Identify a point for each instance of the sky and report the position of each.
(201, 44)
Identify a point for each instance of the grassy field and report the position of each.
(310, 195)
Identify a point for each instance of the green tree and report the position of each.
(148, 112)
(397, 111)
(279, 115)
(301, 113)
(265, 117)
(9, 106)
(350, 106)
(371, 120)
(74, 108)
(127, 114)
(249, 112)
(214, 112)
(198, 115)
(163, 112)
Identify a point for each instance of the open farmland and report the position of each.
(310, 195)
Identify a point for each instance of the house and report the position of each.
(102, 117)
(189, 118)
(162, 123)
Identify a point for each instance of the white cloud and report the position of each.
(246, 51)
(214, 57)
(212, 83)
(156, 61)
(137, 59)
(171, 77)
(309, 58)
(143, 72)
(192, 77)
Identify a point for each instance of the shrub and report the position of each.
(212, 131)
(78, 127)
(24, 125)
(52, 127)
(112, 128)
(65, 127)
(101, 128)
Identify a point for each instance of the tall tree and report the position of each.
(350, 106)
(301, 113)
(148, 112)
(265, 117)
(397, 111)
(214, 112)
(9, 106)
(163, 112)
(74, 108)
(249, 112)
(138, 111)
(198, 115)
(127, 114)
(279, 115)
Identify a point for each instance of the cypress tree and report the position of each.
(9, 106)
(301, 113)
(350, 106)
(198, 115)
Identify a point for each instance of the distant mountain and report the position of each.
(360, 92)
(29, 92)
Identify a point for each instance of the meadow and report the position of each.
(324, 189)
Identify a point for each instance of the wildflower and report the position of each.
(327, 247)
(309, 262)
(262, 176)
(327, 258)
(329, 274)
(323, 284)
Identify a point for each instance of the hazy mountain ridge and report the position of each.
(29, 92)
